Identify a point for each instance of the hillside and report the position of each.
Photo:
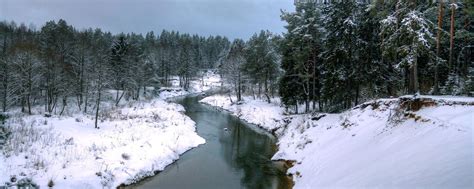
(401, 142)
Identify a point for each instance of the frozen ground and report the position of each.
(375, 145)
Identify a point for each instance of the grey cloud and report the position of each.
(232, 18)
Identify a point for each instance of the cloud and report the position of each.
(231, 18)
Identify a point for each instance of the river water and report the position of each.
(235, 155)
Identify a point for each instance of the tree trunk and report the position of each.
(357, 95)
(5, 72)
(252, 87)
(438, 46)
(266, 88)
(451, 35)
(28, 104)
(306, 108)
(22, 101)
(118, 98)
(239, 94)
(259, 90)
(64, 105)
(97, 108)
(415, 76)
(81, 83)
(5, 86)
(296, 107)
(86, 91)
(30, 90)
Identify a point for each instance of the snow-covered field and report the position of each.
(378, 144)
(133, 142)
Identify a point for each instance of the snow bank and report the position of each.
(132, 143)
(378, 144)
(375, 147)
(207, 81)
(266, 115)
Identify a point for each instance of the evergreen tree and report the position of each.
(262, 61)
(301, 60)
(410, 41)
(340, 84)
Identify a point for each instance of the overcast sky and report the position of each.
(231, 18)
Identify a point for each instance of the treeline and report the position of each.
(252, 67)
(58, 63)
(339, 54)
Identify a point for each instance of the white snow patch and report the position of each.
(269, 116)
(206, 81)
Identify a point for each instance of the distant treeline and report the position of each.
(57, 62)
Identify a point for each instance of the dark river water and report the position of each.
(235, 155)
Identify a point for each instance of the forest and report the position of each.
(340, 54)
(332, 57)
(58, 64)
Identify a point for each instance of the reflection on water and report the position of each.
(234, 156)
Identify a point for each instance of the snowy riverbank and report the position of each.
(382, 143)
(133, 142)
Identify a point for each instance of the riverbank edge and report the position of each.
(285, 164)
(156, 172)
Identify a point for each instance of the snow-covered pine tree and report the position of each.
(301, 49)
(340, 84)
(262, 62)
(372, 83)
(409, 39)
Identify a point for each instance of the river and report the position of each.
(235, 155)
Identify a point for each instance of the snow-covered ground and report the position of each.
(378, 144)
(134, 141)
(266, 115)
(209, 80)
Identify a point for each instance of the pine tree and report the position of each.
(300, 50)
(262, 61)
(410, 40)
(340, 84)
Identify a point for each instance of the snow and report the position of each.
(209, 80)
(374, 145)
(433, 152)
(445, 98)
(258, 112)
(132, 143)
